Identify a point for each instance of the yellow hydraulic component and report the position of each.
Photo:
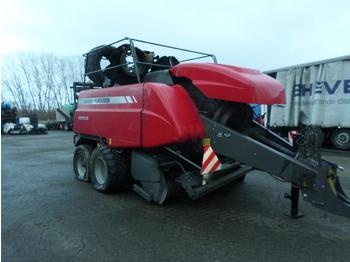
(331, 185)
(331, 181)
(206, 141)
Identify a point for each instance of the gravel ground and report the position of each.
(49, 216)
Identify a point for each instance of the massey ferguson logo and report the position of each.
(117, 100)
(84, 118)
(322, 87)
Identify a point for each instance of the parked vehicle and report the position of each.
(64, 118)
(12, 124)
(8, 113)
(317, 94)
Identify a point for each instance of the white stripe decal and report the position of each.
(107, 100)
(117, 100)
(133, 97)
(129, 99)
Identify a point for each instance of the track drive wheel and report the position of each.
(81, 160)
(110, 170)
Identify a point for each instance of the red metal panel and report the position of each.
(117, 119)
(155, 114)
(232, 83)
(169, 116)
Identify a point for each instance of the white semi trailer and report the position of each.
(317, 94)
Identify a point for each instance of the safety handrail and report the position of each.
(135, 61)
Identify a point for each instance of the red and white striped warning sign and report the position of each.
(210, 163)
(291, 136)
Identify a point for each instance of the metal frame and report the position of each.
(318, 182)
(132, 42)
(192, 182)
(80, 86)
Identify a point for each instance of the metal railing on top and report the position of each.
(135, 61)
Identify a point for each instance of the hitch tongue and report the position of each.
(331, 196)
(263, 150)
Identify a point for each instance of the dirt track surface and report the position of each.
(49, 216)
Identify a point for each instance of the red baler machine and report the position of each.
(162, 125)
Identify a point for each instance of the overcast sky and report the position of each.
(260, 34)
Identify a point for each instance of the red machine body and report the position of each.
(232, 83)
(157, 114)
(139, 115)
(111, 113)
